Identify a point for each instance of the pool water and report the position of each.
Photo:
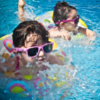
(86, 57)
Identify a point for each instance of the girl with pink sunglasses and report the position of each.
(31, 46)
(31, 49)
(66, 20)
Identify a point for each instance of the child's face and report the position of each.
(34, 40)
(70, 26)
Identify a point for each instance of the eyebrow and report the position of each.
(74, 17)
(37, 40)
(30, 40)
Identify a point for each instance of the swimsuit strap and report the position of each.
(17, 67)
(44, 68)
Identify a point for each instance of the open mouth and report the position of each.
(41, 60)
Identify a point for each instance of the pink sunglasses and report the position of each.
(34, 51)
(76, 20)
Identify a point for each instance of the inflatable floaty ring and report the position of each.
(47, 20)
(18, 86)
(42, 85)
(8, 45)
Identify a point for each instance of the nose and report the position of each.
(41, 53)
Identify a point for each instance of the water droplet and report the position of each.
(4, 68)
(46, 35)
(2, 60)
(5, 91)
(13, 62)
(18, 54)
(37, 62)
(28, 64)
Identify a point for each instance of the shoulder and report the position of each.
(11, 60)
(55, 60)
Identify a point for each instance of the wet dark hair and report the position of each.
(61, 11)
(26, 28)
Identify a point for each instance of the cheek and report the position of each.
(28, 59)
(29, 45)
(69, 26)
(47, 56)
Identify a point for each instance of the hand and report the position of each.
(92, 38)
(90, 33)
(59, 33)
(21, 3)
(65, 35)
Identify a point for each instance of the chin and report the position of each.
(70, 29)
(39, 64)
(31, 62)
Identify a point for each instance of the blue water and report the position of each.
(87, 9)
(86, 58)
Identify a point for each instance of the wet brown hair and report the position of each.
(61, 11)
(26, 28)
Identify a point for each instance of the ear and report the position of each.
(61, 24)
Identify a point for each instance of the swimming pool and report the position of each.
(85, 57)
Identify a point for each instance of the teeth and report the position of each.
(2, 60)
(40, 59)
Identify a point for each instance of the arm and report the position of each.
(21, 5)
(56, 60)
(55, 32)
(87, 32)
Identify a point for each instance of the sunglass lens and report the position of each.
(32, 52)
(47, 48)
(76, 21)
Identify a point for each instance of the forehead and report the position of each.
(73, 13)
(33, 37)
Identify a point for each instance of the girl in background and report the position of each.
(66, 20)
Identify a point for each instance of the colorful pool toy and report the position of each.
(8, 44)
(17, 87)
(42, 85)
